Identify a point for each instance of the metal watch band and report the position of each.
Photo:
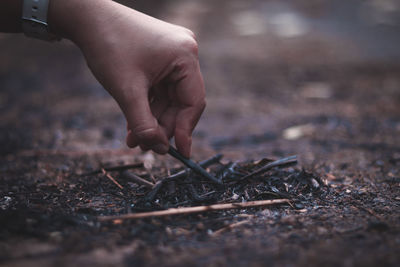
(34, 20)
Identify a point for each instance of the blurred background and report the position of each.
(282, 77)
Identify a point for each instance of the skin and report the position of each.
(149, 66)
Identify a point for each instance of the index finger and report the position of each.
(190, 94)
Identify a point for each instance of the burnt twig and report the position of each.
(180, 175)
(133, 177)
(277, 163)
(192, 165)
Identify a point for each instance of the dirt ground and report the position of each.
(313, 79)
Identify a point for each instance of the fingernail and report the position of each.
(160, 148)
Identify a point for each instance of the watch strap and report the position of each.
(34, 20)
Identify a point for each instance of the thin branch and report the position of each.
(277, 163)
(204, 164)
(198, 209)
(193, 165)
(229, 227)
(139, 180)
(111, 178)
(180, 175)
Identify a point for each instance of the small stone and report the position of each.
(298, 206)
(5, 202)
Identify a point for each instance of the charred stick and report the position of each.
(198, 209)
(171, 188)
(180, 175)
(192, 165)
(277, 163)
(193, 193)
(139, 180)
(153, 193)
(205, 164)
(197, 197)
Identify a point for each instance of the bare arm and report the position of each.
(149, 66)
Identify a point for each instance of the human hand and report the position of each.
(150, 67)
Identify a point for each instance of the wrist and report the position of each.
(74, 19)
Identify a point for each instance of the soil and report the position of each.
(338, 110)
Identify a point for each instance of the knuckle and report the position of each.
(187, 32)
(145, 133)
(189, 45)
(191, 34)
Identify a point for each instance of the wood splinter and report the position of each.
(197, 209)
(134, 178)
(229, 227)
(111, 178)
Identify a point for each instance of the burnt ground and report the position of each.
(328, 95)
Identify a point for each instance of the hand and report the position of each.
(150, 67)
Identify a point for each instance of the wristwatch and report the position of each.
(34, 20)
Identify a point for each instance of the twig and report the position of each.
(180, 175)
(277, 163)
(111, 178)
(370, 211)
(198, 209)
(153, 193)
(229, 227)
(205, 164)
(136, 179)
(116, 168)
(193, 165)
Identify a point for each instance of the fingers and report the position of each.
(174, 110)
(190, 93)
(144, 129)
(168, 120)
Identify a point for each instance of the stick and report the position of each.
(136, 179)
(276, 163)
(180, 175)
(205, 164)
(116, 168)
(111, 178)
(192, 165)
(198, 209)
(229, 227)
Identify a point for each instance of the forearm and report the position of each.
(10, 15)
(73, 19)
(69, 19)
